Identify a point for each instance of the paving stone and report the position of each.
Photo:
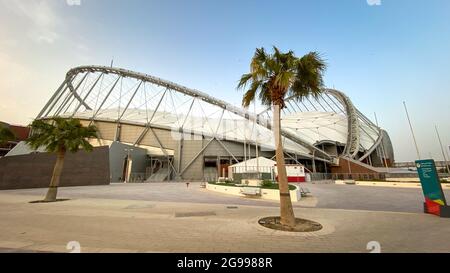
(113, 221)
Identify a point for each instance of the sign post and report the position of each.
(435, 202)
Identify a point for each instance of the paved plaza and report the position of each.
(171, 217)
(330, 196)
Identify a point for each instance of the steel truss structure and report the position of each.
(122, 97)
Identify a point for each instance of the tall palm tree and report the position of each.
(273, 78)
(59, 136)
(6, 134)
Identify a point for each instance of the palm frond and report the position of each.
(265, 95)
(59, 134)
(279, 74)
(244, 80)
(257, 65)
(309, 80)
(6, 134)
(249, 96)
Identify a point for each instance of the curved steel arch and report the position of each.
(353, 142)
(353, 115)
(71, 74)
(353, 125)
(353, 131)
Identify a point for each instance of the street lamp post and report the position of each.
(412, 131)
(442, 148)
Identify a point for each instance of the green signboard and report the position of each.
(431, 186)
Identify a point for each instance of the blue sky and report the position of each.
(379, 55)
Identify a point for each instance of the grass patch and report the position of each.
(230, 185)
(370, 180)
(274, 186)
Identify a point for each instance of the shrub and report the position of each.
(226, 180)
(267, 183)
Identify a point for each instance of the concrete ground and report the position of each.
(169, 217)
(330, 196)
(375, 198)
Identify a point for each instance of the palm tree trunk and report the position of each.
(54, 183)
(286, 210)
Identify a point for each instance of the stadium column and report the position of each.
(104, 100)
(87, 94)
(71, 94)
(52, 99)
(180, 154)
(181, 140)
(119, 125)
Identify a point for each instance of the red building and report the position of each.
(21, 133)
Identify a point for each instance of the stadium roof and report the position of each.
(117, 95)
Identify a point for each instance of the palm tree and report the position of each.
(6, 134)
(272, 78)
(59, 136)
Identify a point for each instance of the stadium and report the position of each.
(172, 132)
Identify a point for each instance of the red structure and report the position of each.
(295, 173)
(21, 133)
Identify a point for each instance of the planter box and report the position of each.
(268, 194)
(350, 182)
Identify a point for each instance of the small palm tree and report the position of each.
(59, 136)
(6, 134)
(272, 78)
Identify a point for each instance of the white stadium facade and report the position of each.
(172, 132)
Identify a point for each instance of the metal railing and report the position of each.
(365, 176)
(138, 178)
(347, 176)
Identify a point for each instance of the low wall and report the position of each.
(403, 179)
(382, 184)
(35, 170)
(268, 194)
(389, 184)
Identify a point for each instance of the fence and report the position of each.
(412, 175)
(365, 176)
(347, 176)
(142, 177)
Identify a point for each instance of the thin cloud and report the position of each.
(374, 2)
(42, 20)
